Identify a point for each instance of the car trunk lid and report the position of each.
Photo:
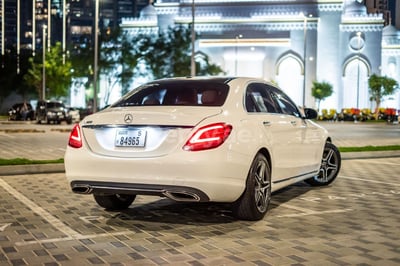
(142, 131)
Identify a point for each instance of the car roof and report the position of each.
(220, 80)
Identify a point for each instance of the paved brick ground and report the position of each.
(355, 221)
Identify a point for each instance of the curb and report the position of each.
(31, 169)
(369, 155)
(59, 167)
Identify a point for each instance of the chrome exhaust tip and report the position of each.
(82, 189)
(181, 196)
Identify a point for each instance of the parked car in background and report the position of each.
(231, 140)
(74, 113)
(52, 112)
(21, 111)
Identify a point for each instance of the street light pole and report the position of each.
(2, 35)
(358, 67)
(49, 24)
(44, 62)
(64, 30)
(192, 62)
(236, 52)
(96, 48)
(33, 27)
(304, 60)
(18, 32)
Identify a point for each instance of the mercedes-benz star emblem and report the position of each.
(128, 118)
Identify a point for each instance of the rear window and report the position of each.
(186, 93)
(55, 105)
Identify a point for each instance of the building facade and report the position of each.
(292, 43)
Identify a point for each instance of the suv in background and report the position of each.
(17, 112)
(52, 111)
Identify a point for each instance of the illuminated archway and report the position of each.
(355, 83)
(290, 76)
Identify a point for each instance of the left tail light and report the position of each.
(75, 137)
(208, 137)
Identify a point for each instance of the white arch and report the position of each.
(290, 77)
(355, 84)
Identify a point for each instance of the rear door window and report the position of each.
(284, 103)
(258, 99)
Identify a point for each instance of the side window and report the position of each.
(285, 104)
(258, 99)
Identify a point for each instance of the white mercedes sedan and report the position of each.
(217, 139)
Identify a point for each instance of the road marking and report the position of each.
(59, 225)
(4, 226)
(369, 180)
(304, 211)
(314, 213)
(68, 238)
(89, 219)
(40, 211)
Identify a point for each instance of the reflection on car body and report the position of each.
(218, 139)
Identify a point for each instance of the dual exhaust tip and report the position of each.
(184, 196)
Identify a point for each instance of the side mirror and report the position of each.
(310, 113)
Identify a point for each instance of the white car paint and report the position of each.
(294, 145)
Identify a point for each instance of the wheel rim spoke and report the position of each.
(262, 187)
(329, 165)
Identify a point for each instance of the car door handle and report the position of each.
(267, 123)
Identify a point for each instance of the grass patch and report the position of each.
(370, 148)
(23, 161)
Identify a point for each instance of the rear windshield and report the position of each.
(54, 105)
(187, 93)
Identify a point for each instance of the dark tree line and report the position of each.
(122, 58)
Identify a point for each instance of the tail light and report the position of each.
(208, 137)
(75, 138)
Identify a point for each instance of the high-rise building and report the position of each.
(23, 21)
(379, 6)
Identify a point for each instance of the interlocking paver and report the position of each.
(352, 222)
(298, 230)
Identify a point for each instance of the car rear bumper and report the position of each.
(192, 176)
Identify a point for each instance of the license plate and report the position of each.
(130, 138)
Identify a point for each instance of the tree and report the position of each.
(168, 54)
(321, 90)
(58, 74)
(119, 56)
(10, 80)
(379, 87)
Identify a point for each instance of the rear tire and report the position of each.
(330, 166)
(114, 202)
(254, 202)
